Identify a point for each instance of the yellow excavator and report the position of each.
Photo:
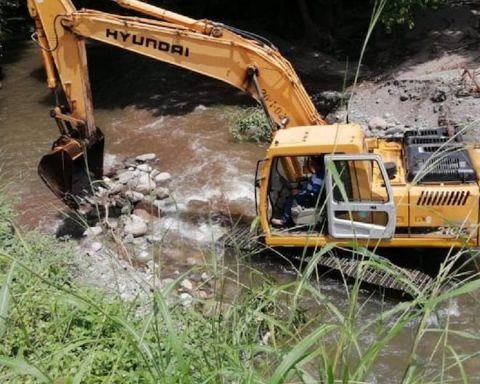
(417, 190)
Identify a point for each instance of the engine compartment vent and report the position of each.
(432, 156)
(458, 198)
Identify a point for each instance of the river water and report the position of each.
(142, 107)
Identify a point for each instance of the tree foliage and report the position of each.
(317, 22)
(404, 11)
(7, 9)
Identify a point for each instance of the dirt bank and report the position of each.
(433, 81)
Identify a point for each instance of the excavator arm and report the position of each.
(238, 58)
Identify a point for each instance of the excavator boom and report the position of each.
(241, 59)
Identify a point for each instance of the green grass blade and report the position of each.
(306, 377)
(298, 353)
(140, 344)
(463, 289)
(459, 365)
(174, 340)
(5, 300)
(453, 332)
(24, 368)
(83, 370)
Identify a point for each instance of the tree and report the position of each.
(403, 11)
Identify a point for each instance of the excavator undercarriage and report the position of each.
(420, 190)
(371, 269)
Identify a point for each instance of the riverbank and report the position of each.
(55, 327)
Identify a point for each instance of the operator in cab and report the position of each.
(306, 195)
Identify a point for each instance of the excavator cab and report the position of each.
(72, 166)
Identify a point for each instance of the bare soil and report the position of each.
(428, 77)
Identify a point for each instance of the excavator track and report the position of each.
(410, 281)
(368, 270)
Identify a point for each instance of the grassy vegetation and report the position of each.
(250, 124)
(55, 330)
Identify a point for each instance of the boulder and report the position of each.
(143, 214)
(93, 231)
(162, 193)
(377, 123)
(96, 246)
(154, 239)
(186, 284)
(146, 157)
(142, 256)
(126, 176)
(149, 204)
(134, 196)
(142, 183)
(144, 168)
(135, 226)
(186, 299)
(163, 177)
(128, 239)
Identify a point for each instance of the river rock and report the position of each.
(154, 239)
(111, 223)
(135, 225)
(186, 284)
(114, 187)
(134, 196)
(202, 295)
(143, 214)
(126, 176)
(200, 107)
(144, 168)
(148, 204)
(186, 299)
(126, 208)
(162, 193)
(142, 183)
(451, 36)
(140, 242)
(143, 256)
(96, 246)
(377, 123)
(146, 157)
(163, 177)
(205, 276)
(93, 231)
(128, 239)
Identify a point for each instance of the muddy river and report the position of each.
(142, 107)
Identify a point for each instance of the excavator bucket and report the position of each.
(70, 167)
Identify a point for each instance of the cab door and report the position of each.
(359, 197)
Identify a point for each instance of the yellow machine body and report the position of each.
(438, 215)
(374, 193)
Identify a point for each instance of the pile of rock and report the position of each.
(124, 210)
(128, 199)
(120, 248)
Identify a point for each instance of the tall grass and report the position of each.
(53, 329)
